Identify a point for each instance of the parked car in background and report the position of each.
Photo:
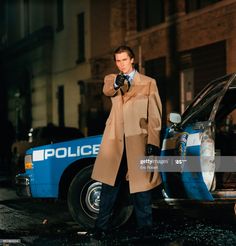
(40, 136)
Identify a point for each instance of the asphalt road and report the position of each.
(40, 222)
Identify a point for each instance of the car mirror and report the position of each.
(175, 118)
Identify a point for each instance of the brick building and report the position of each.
(54, 54)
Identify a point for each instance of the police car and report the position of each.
(202, 143)
(62, 171)
(197, 160)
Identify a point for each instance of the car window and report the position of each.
(225, 133)
(201, 108)
(54, 134)
(62, 134)
(227, 108)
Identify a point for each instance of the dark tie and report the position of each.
(128, 81)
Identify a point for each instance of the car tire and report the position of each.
(83, 201)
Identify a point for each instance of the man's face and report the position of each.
(124, 62)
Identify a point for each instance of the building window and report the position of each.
(81, 41)
(60, 15)
(61, 105)
(149, 13)
(192, 5)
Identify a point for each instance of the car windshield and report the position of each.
(200, 109)
(227, 106)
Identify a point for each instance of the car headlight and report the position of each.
(28, 162)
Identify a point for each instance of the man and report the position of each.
(132, 131)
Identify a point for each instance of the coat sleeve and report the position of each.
(154, 115)
(108, 88)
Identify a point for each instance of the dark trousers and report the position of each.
(108, 197)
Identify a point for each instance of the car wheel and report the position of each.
(83, 201)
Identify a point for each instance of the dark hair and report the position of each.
(124, 48)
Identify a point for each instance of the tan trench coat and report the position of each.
(136, 115)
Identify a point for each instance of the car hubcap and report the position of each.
(93, 197)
